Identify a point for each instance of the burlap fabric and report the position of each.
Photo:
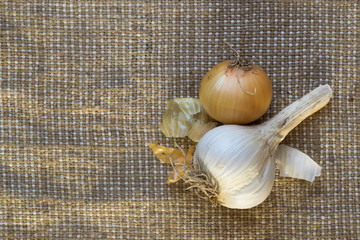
(83, 87)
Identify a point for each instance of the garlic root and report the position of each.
(287, 119)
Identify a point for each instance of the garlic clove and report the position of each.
(296, 164)
(186, 117)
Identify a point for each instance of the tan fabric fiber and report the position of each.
(83, 85)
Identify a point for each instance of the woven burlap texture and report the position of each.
(83, 87)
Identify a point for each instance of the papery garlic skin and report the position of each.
(240, 160)
(186, 117)
(240, 166)
(294, 163)
(198, 129)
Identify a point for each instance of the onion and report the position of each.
(236, 93)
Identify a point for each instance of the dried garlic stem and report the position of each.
(286, 120)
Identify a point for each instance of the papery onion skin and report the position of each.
(232, 95)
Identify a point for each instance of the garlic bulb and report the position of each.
(239, 161)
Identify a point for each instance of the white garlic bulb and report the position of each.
(239, 161)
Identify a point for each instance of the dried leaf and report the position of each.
(175, 157)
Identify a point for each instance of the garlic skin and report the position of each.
(294, 163)
(239, 161)
(186, 117)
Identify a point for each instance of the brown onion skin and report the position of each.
(228, 93)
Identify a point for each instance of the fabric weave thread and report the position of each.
(83, 85)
